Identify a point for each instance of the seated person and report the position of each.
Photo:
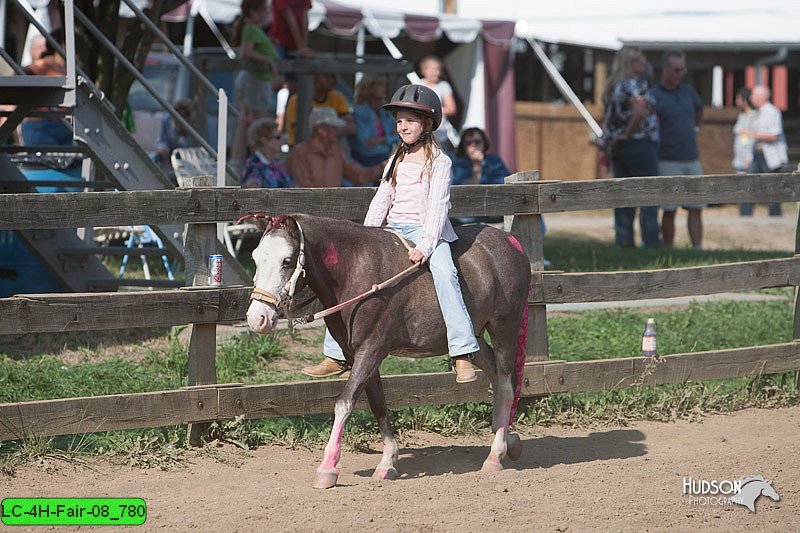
(263, 169)
(473, 165)
(325, 95)
(319, 160)
(172, 134)
(44, 130)
(376, 132)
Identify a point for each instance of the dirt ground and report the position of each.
(605, 478)
(602, 478)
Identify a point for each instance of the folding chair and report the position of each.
(195, 161)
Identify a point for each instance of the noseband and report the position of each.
(286, 295)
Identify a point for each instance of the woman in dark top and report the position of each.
(631, 137)
(474, 165)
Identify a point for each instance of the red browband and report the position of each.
(272, 222)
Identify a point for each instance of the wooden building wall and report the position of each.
(554, 139)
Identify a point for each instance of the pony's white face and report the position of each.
(274, 266)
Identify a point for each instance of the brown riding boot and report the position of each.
(462, 366)
(327, 368)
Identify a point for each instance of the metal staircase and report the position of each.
(116, 157)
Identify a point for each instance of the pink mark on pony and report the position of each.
(330, 257)
(334, 448)
(515, 243)
(519, 359)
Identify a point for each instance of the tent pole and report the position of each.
(360, 38)
(564, 87)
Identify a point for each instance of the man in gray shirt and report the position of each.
(679, 110)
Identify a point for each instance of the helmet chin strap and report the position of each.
(424, 137)
(406, 148)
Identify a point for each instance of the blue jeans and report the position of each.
(460, 332)
(760, 167)
(46, 132)
(639, 158)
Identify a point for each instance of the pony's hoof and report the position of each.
(514, 447)
(385, 473)
(325, 480)
(492, 464)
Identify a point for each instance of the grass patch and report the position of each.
(700, 327)
(587, 255)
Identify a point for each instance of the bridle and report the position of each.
(285, 297)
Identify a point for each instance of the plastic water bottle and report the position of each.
(649, 339)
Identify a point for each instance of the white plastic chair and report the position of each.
(195, 161)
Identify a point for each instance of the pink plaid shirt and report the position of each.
(434, 205)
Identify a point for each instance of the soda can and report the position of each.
(215, 270)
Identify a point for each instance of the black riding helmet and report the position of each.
(413, 97)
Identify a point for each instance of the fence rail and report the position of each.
(192, 206)
(522, 197)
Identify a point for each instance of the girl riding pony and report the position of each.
(413, 200)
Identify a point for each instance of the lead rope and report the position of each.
(391, 282)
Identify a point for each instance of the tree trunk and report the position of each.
(133, 40)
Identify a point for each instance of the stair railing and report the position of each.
(95, 31)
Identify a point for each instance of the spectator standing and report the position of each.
(631, 139)
(474, 165)
(290, 27)
(319, 160)
(325, 95)
(431, 69)
(376, 133)
(679, 109)
(252, 88)
(742, 142)
(264, 169)
(770, 152)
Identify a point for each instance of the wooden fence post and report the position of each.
(796, 321)
(200, 241)
(527, 228)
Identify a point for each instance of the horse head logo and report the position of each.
(752, 488)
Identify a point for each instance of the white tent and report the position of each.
(611, 24)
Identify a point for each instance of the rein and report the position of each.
(287, 292)
(375, 288)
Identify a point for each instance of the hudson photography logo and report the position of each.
(744, 491)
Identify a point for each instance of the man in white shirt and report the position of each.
(770, 142)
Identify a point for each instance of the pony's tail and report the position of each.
(519, 360)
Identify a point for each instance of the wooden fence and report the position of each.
(522, 197)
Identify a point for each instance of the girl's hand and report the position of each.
(416, 256)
